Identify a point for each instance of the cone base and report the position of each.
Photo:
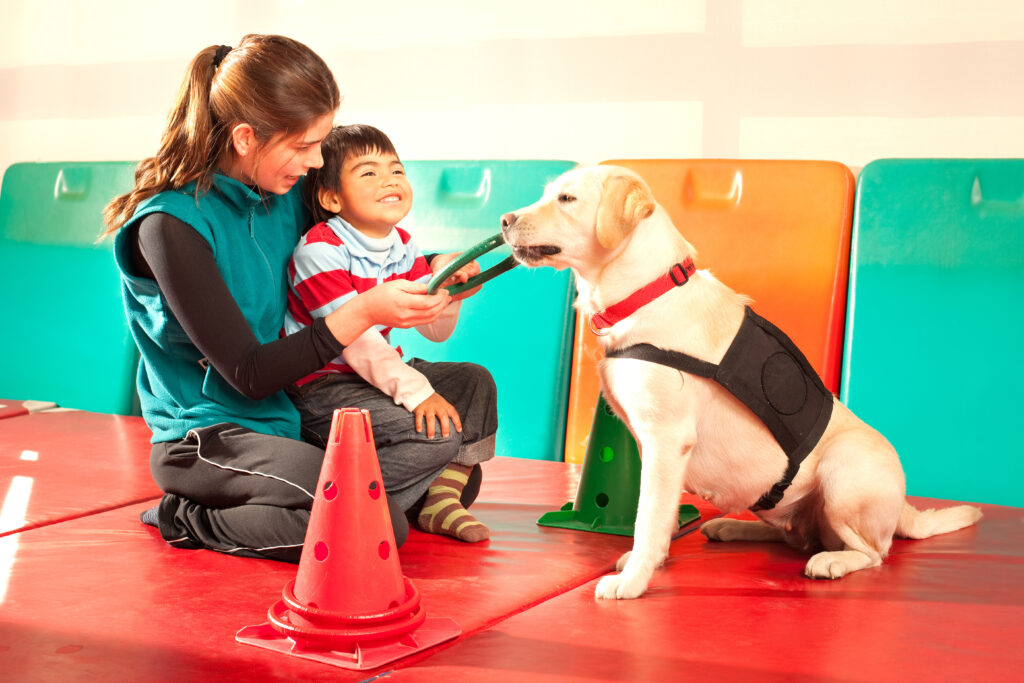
(567, 518)
(433, 631)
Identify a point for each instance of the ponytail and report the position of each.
(275, 84)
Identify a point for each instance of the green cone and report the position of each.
(609, 487)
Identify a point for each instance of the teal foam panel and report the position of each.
(520, 325)
(60, 202)
(66, 339)
(934, 324)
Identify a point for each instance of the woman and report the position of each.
(202, 243)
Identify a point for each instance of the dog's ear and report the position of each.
(624, 203)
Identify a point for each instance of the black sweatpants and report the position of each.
(409, 460)
(230, 489)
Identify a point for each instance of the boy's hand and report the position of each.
(463, 274)
(436, 407)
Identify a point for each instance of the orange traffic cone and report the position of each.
(349, 604)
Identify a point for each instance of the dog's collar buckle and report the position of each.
(680, 272)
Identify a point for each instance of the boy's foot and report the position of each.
(442, 511)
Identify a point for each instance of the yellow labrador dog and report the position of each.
(721, 403)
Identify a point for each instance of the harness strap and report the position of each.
(701, 368)
(673, 359)
(796, 439)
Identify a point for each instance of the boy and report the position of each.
(358, 197)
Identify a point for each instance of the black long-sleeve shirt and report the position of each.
(182, 263)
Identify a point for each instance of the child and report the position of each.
(357, 198)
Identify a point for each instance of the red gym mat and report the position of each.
(103, 597)
(16, 408)
(58, 465)
(946, 608)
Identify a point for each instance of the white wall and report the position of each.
(584, 80)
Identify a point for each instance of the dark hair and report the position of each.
(275, 84)
(341, 143)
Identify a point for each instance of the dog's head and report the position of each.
(583, 217)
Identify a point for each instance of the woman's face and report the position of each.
(278, 165)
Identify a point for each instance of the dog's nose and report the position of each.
(507, 220)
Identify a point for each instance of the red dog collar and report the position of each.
(677, 276)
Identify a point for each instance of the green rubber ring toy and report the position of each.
(471, 254)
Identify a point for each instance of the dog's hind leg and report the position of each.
(661, 479)
(860, 509)
(835, 564)
(853, 541)
(723, 529)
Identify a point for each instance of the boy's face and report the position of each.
(375, 194)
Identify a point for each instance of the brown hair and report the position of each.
(275, 84)
(341, 143)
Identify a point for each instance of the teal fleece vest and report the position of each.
(252, 239)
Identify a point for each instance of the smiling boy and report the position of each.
(357, 198)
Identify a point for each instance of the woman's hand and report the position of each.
(397, 303)
(401, 303)
(436, 407)
(463, 274)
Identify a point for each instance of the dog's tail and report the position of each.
(916, 523)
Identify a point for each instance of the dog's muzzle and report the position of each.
(524, 253)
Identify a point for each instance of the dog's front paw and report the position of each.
(622, 586)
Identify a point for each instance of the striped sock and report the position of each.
(442, 511)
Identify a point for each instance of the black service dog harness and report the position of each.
(765, 370)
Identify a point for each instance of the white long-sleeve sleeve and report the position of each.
(379, 363)
(442, 327)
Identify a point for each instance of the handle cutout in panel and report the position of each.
(992, 197)
(468, 185)
(72, 183)
(713, 188)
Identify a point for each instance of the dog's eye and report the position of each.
(566, 198)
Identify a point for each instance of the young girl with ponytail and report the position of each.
(202, 242)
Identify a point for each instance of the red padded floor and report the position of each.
(71, 463)
(102, 597)
(946, 608)
(16, 408)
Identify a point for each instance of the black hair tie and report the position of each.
(222, 52)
